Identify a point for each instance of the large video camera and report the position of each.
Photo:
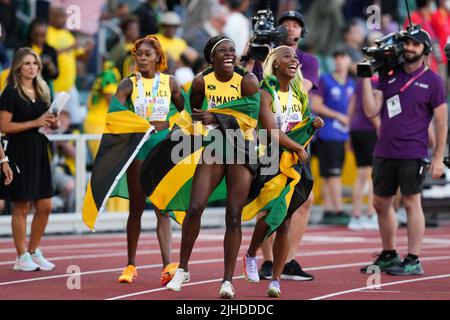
(265, 35)
(384, 57)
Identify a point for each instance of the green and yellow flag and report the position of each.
(282, 193)
(167, 183)
(123, 136)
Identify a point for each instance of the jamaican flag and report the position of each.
(123, 135)
(168, 183)
(282, 193)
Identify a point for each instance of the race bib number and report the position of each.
(160, 110)
(394, 106)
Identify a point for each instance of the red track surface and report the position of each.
(333, 255)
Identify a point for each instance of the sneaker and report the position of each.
(383, 262)
(266, 270)
(402, 217)
(356, 224)
(178, 279)
(328, 218)
(25, 263)
(128, 274)
(371, 223)
(226, 290)
(168, 273)
(43, 263)
(342, 219)
(408, 267)
(251, 269)
(293, 271)
(274, 290)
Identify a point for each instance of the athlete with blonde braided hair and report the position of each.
(284, 105)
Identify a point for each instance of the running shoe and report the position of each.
(293, 271)
(356, 224)
(25, 263)
(371, 223)
(251, 269)
(274, 290)
(383, 261)
(43, 263)
(128, 274)
(168, 273)
(226, 290)
(408, 267)
(178, 279)
(328, 218)
(266, 270)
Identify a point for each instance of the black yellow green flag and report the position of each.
(282, 193)
(168, 183)
(123, 135)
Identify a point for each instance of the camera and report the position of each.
(387, 54)
(265, 35)
(447, 162)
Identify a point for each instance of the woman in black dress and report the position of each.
(24, 108)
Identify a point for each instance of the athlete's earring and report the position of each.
(276, 67)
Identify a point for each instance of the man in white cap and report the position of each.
(172, 45)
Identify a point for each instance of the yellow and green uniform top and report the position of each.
(295, 114)
(217, 92)
(162, 100)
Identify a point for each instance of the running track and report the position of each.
(332, 254)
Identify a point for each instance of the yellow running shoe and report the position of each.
(168, 273)
(128, 275)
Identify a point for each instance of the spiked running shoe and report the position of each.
(128, 274)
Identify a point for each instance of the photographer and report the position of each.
(406, 100)
(294, 23)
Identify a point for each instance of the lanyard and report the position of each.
(282, 121)
(410, 82)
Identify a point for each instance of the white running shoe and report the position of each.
(371, 223)
(251, 269)
(178, 279)
(25, 263)
(43, 263)
(355, 224)
(274, 290)
(226, 290)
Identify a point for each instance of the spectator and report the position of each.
(173, 46)
(326, 25)
(423, 16)
(212, 27)
(147, 14)
(238, 25)
(24, 104)
(354, 36)
(63, 167)
(185, 73)
(49, 57)
(121, 53)
(363, 132)
(401, 149)
(440, 22)
(68, 49)
(8, 21)
(331, 101)
(197, 13)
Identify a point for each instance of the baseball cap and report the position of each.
(292, 15)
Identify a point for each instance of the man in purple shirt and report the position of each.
(294, 22)
(406, 101)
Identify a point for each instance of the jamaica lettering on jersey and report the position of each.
(217, 92)
(163, 96)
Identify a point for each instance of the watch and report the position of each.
(5, 159)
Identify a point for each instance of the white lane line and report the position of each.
(442, 276)
(329, 267)
(214, 249)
